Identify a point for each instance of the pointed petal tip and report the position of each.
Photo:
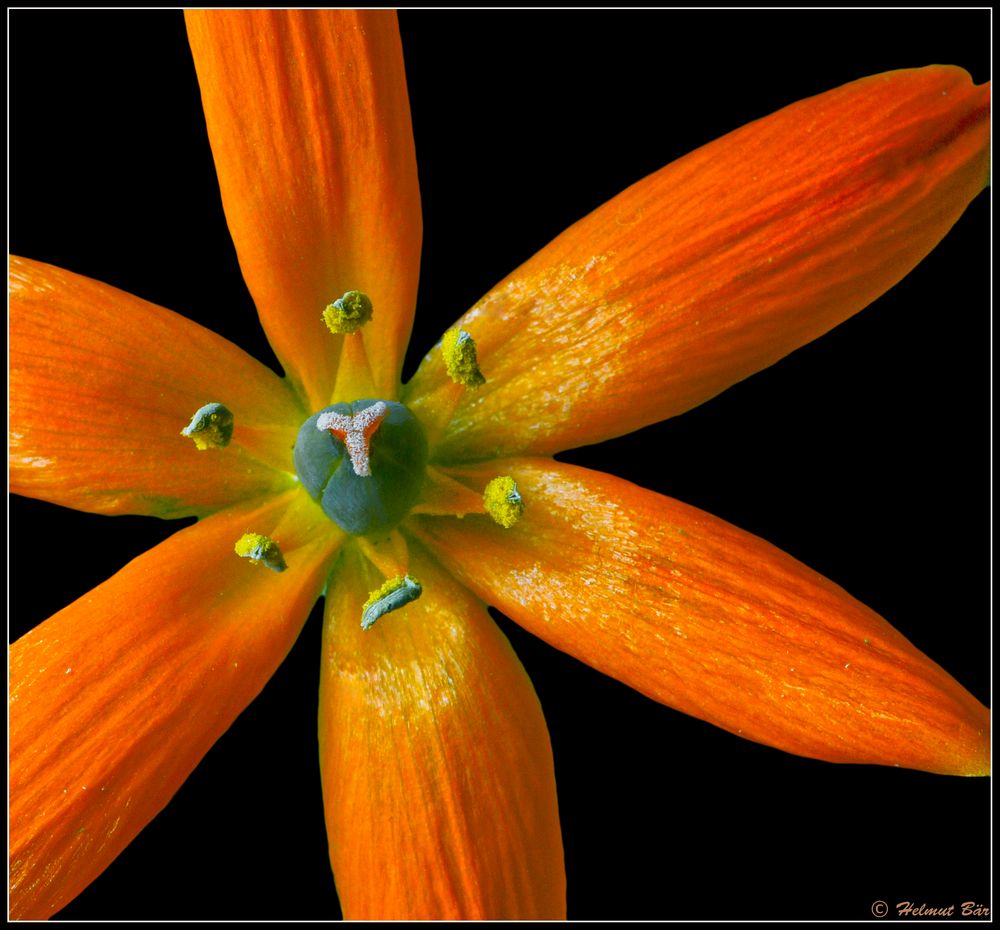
(729, 629)
(719, 264)
(115, 699)
(977, 761)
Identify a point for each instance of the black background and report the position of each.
(864, 454)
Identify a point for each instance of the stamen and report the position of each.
(503, 501)
(348, 314)
(395, 593)
(459, 351)
(355, 432)
(260, 549)
(211, 427)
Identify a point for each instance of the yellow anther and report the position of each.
(395, 593)
(459, 351)
(348, 314)
(211, 427)
(260, 549)
(503, 501)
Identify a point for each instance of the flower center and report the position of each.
(363, 463)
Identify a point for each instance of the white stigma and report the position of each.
(355, 432)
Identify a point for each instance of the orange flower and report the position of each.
(444, 767)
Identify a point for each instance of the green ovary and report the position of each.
(364, 505)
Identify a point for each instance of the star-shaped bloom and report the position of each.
(437, 773)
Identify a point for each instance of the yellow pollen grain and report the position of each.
(260, 550)
(459, 351)
(348, 314)
(503, 501)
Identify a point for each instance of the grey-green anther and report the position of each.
(211, 427)
(395, 593)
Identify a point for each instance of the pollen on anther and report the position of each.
(355, 432)
(459, 351)
(503, 501)
(395, 593)
(260, 550)
(211, 427)
(348, 314)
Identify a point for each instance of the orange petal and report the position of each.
(437, 771)
(115, 699)
(717, 265)
(101, 385)
(710, 620)
(309, 122)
